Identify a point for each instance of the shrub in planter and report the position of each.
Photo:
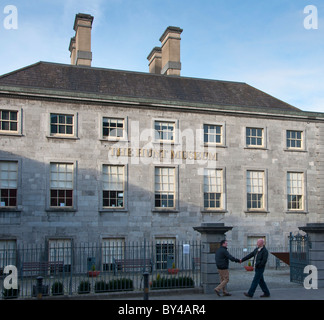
(84, 287)
(173, 282)
(10, 293)
(120, 284)
(114, 285)
(185, 282)
(101, 286)
(57, 288)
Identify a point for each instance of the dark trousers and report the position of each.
(258, 280)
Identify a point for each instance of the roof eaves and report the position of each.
(104, 98)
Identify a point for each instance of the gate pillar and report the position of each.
(211, 235)
(315, 232)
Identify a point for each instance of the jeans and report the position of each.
(258, 280)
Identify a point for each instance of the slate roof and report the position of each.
(117, 83)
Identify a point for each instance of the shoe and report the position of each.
(265, 296)
(217, 292)
(226, 294)
(247, 295)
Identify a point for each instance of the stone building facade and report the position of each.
(91, 154)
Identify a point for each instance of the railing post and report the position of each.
(146, 285)
(39, 287)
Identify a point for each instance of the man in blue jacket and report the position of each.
(222, 258)
(260, 258)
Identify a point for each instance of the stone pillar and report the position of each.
(315, 232)
(211, 235)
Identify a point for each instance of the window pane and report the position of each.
(13, 126)
(113, 127)
(212, 133)
(5, 115)
(69, 119)
(295, 191)
(61, 124)
(164, 187)
(61, 176)
(61, 129)
(164, 130)
(255, 189)
(8, 120)
(69, 130)
(13, 115)
(294, 139)
(8, 175)
(254, 137)
(113, 186)
(61, 119)
(5, 125)
(53, 129)
(53, 118)
(212, 188)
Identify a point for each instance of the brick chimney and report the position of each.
(170, 40)
(80, 45)
(155, 60)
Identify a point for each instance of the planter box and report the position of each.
(248, 268)
(173, 271)
(93, 274)
(10, 293)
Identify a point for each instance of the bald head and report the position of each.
(260, 243)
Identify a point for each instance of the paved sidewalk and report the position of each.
(276, 294)
(278, 282)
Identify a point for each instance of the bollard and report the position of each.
(146, 285)
(39, 287)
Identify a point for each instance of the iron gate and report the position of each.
(298, 256)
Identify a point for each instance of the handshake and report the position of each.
(238, 260)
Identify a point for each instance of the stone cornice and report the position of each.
(94, 98)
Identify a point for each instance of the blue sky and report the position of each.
(263, 43)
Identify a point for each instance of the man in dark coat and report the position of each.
(260, 257)
(222, 258)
